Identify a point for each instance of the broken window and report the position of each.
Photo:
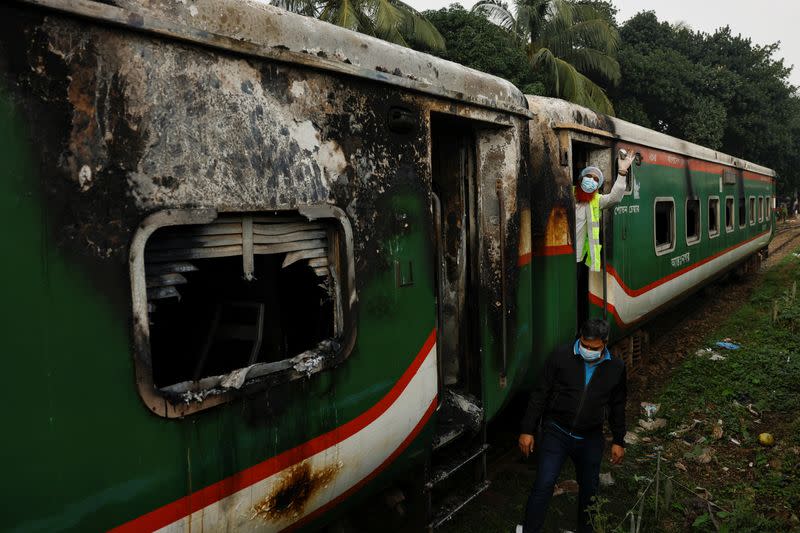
(729, 213)
(664, 226)
(760, 208)
(742, 212)
(692, 220)
(713, 217)
(767, 209)
(239, 298)
(752, 210)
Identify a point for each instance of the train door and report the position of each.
(589, 152)
(453, 167)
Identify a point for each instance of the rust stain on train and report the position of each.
(296, 486)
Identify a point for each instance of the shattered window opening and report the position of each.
(713, 216)
(729, 214)
(664, 229)
(742, 212)
(239, 298)
(752, 210)
(692, 220)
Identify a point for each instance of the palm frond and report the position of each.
(597, 97)
(346, 13)
(388, 20)
(496, 13)
(589, 60)
(596, 33)
(418, 28)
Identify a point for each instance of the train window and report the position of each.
(752, 210)
(729, 214)
(235, 300)
(664, 225)
(761, 209)
(767, 209)
(742, 212)
(692, 220)
(713, 216)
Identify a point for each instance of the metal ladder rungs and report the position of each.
(447, 510)
(453, 466)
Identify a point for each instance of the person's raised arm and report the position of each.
(618, 190)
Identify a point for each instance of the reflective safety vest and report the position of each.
(591, 245)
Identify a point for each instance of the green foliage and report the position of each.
(599, 518)
(477, 43)
(719, 90)
(762, 375)
(569, 43)
(391, 20)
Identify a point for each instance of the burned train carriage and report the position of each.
(689, 215)
(263, 266)
(255, 214)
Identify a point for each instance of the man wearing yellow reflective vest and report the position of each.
(588, 203)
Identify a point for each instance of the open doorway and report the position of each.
(586, 154)
(453, 166)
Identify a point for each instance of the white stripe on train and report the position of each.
(629, 308)
(353, 459)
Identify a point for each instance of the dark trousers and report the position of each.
(554, 447)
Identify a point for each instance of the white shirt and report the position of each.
(583, 212)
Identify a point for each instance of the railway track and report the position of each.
(785, 236)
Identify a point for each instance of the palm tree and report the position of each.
(567, 42)
(391, 20)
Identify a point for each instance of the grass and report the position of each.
(754, 390)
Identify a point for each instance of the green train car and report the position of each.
(261, 268)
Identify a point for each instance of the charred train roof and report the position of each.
(256, 28)
(562, 114)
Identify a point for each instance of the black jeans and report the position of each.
(554, 447)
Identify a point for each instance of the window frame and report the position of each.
(664, 251)
(699, 238)
(760, 202)
(743, 220)
(165, 402)
(767, 208)
(717, 233)
(733, 213)
(752, 215)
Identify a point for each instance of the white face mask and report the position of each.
(588, 185)
(588, 355)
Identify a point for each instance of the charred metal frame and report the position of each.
(119, 16)
(189, 397)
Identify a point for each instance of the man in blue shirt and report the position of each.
(580, 384)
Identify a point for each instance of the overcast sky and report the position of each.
(765, 21)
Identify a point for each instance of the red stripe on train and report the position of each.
(668, 159)
(677, 273)
(187, 505)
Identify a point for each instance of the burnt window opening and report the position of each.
(761, 209)
(767, 208)
(729, 214)
(713, 217)
(692, 220)
(742, 212)
(752, 210)
(664, 226)
(237, 292)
